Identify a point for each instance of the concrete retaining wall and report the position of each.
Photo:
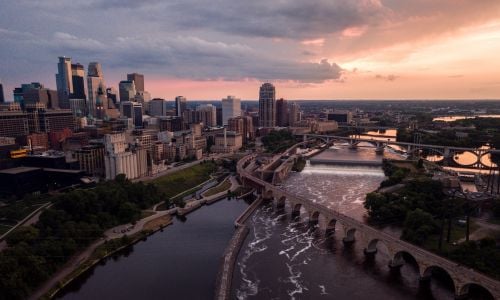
(225, 275)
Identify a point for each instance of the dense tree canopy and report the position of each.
(75, 220)
(277, 141)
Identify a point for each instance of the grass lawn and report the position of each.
(184, 180)
(225, 185)
(457, 233)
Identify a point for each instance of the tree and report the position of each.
(418, 226)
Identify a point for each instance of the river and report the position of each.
(179, 263)
(287, 259)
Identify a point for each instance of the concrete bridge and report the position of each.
(370, 238)
(447, 152)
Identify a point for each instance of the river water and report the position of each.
(287, 259)
(179, 263)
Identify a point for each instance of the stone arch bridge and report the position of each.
(355, 231)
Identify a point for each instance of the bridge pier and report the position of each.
(348, 240)
(396, 263)
(370, 252)
(380, 148)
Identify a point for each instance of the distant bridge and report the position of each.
(355, 231)
(447, 152)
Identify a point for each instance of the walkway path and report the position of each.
(81, 257)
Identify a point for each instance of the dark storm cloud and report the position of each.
(223, 39)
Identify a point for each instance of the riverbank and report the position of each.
(225, 275)
(92, 255)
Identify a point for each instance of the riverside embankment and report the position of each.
(225, 275)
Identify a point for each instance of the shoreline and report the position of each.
(49, 290)
(92, 262)
(225, 275)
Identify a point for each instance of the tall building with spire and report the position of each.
(267, 105)
(64, 81)
(95, 86)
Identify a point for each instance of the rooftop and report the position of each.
(19, 170)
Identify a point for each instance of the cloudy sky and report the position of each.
(310, 49)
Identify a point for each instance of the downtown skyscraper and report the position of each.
(78, 80)
(231, 108)
(138, 80)
(267, 105)
(180, 105)
(95, 85)
(64, 81)
(2, 97)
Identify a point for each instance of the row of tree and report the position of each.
(75, 220)
(424, 212)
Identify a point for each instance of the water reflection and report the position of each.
(456, 118)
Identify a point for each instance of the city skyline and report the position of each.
(366, 49)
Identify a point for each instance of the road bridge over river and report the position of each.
(355, 231)
(447, 152)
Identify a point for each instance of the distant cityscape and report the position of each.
(101, 131)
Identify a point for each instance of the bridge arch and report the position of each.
(350, 235)
(405, 257)
(476, 290)
(330, 227)
(373, 247)
(296, 209)
(486, 157)
(472, 158)
(444, 276)
(268, 194)
(314, 218)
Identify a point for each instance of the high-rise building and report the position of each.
(127, 109)
(170, 124)
(180, 105)
(127, 90)
(218, 112)
(244, 126)
(158, 107)
(267, 105)
(78, 80)
(138, 113)
(64, 81)
(138, 80)
(281, 112)
(2, 97)
(13, 123)
(41, 119)
(95, 85)
(19, 92)
(207, 114)
(293, 114)
(49, 98)
(231, 108)
(112, 95)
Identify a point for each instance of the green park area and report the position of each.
(225, 185)
(184, 180)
